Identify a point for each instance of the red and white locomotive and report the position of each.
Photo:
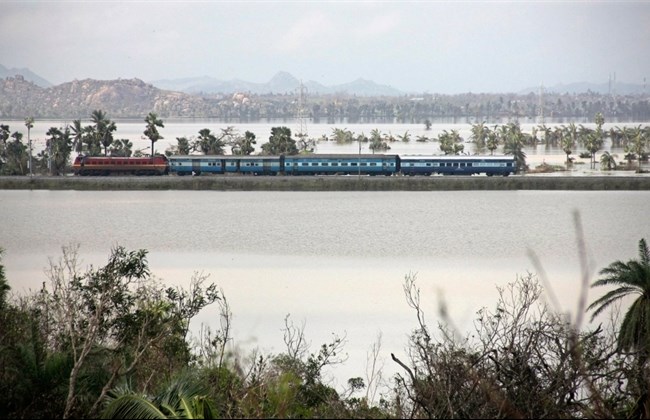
(108, 165)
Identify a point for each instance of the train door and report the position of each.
(196, 166)
(267, 166)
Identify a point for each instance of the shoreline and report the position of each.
(331, 183)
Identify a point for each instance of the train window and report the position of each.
(344, 164)
(373, 163)
(428, 164)
(324, 164)
(353, 164)
(314, 164)
(304, 164)
(364, 164)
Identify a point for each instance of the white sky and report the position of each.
(414, 46)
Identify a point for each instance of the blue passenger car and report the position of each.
(201, 164)
(196, 165)
(457, 165)
(256, 165)
(329, 164)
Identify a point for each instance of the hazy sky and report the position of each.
(413, 46)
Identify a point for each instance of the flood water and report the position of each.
(333, 261)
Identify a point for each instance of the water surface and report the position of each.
(333, 260)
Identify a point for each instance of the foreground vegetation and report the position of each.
(114, 342)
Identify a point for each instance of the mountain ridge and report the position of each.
(281, 83)
(284, 82)
(26, 73)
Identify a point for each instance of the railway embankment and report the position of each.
(328, 183)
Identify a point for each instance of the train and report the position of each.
(311, 164)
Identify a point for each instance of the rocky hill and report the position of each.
(134, 98)
(121, 98)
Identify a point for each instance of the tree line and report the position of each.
(97, 139)
(115, 342)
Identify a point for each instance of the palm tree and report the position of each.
(103, 129)
(514, 145)
(547, 132)
(377, 142)
(77, 132)
(151, 131)
(342, 135)
(480, 133)
(183, 399)
(246, 147)
(608, 161)
(631, 278)
(406, 137)
(592, 141)
(208, 143)
(492, 142)
(567, 143)
(183, 146)
(638, 144)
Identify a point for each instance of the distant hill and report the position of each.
(26, 74)
(121, 98)
(281, 83)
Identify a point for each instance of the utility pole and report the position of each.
(29, 123)
(541, 104)
(302, 129)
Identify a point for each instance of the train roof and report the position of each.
(243, 157)
(87, 157)
(267, 157)
(341, 156)
(457, 157)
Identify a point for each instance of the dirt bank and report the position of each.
(329, 183)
